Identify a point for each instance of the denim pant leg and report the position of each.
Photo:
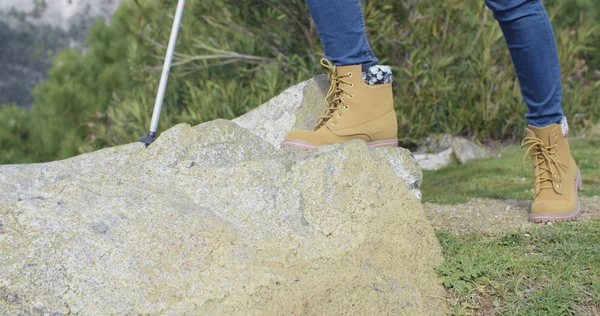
(341, 27)
(530, 39)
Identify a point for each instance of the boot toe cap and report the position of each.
(300, 138)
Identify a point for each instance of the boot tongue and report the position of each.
(356, 70)
(334, 88)
(545, 134)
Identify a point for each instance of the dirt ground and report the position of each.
(491, 217)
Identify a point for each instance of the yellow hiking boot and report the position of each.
(557, 178)
(355, 109)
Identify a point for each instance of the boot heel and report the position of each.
(579, 181)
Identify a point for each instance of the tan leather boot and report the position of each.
(557, 178)
(354, 110)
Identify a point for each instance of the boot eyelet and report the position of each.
(346, 107)
(350, 74)
(558, 185)
(351, 96)
(351, 85)
(339, 116)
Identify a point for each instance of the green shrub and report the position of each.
(14, 134)
(257, 62)
(569, 14)
(452, 70)
(80, 86)
(457, 76)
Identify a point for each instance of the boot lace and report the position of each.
(333, 99)
(550, 169)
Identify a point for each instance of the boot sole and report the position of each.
(390, 142)
(562, 217)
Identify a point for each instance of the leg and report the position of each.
(341, 27)
(359, 103)
(531, 42)
(530, 39)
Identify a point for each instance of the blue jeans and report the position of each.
(341, 27)
(527, 32)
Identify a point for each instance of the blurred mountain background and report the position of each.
(32, 32)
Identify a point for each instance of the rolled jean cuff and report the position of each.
(542, 121)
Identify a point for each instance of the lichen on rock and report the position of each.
(216, 219)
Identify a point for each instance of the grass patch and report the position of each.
(505, 178)
(550, 270)
(543, 270)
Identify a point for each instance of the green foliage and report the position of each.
(574, 12)
(457, 75)
(452, 70)
(549, 270)
(14, 134)
(79, 87)
(254, 63)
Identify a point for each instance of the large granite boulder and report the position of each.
(216, 219)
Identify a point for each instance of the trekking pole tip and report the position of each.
(148, 139)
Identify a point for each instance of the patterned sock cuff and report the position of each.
(564, 126)
(378, 75)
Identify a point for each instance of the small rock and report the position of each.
(466, 150)
(436, 151)
(434, 161)
(436, 143)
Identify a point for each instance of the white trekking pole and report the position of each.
(151, 136)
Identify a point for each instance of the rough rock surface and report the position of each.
(212, 220)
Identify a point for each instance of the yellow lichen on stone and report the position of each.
(214, 220)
